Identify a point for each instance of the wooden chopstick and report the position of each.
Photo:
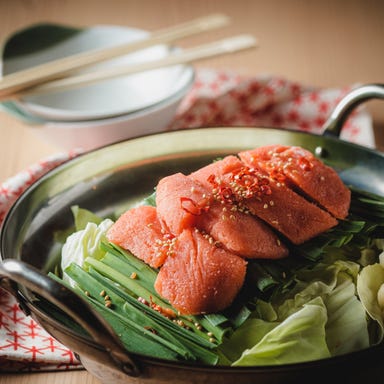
(20, 80)
(225, 46)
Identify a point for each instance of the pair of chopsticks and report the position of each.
(56, 75)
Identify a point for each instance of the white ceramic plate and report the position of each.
(110, 98)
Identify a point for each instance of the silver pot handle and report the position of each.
(16, 271)
(336, 120)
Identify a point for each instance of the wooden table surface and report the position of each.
(328, 43)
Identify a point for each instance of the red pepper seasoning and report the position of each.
(221, 192)
(249, 182)
(243, 183)
(304, 164)
(167, 312)
(190, 206)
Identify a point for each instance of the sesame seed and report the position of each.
(108, 304)
(265, 206)
(133, 275)
(142, 300)
(102, 293)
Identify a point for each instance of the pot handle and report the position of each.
(351, 100)
(15, 271)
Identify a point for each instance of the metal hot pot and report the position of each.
(115, 176)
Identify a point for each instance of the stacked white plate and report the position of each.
(101, 113)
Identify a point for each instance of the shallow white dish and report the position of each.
(89, 135)
(102, 113)
(108, 98)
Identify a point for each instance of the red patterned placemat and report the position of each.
(24, 345)
(218, 98)
(222, 98)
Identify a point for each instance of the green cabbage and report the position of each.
(300, 337)
(84, 242)
(320, 317)
(370, 283)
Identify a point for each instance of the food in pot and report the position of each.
(267, 197)
(199, 277)
(202, 276)
(139, 230)
(238, 208)
(301, 170)
(183, 202)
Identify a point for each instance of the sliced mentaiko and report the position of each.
(241, 233)
(199, 277)
(191, 204)
(180, 201)
(216, 170)
(290, 214)
(298, 167)
(139, 231)
(256, 192)
(236, 229)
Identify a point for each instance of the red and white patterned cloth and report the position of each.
(218, 98)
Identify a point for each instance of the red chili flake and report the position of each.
(167, 312)
(212, 180)
(249, 182)
(278, 175)
(168, 236)
(225, 195)
(265, 189)
(222, 193)
(190, 206)
(305, 164)
(142, 300)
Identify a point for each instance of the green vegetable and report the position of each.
(82, 217)
(321, 312)
(300, 337)
(84, 243)
(369, 283)
(326, 299)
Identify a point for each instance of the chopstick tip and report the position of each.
(215, 20)
(238, 42)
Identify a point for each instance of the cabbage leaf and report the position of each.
(84, 242)
(369, 282)
(301, 337)
(320, 317)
